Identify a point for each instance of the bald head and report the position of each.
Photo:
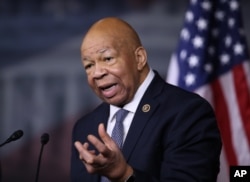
(116, 29)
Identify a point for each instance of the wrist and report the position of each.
(129, 173)
(131, 178)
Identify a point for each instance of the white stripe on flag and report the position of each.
(239, 137)
(173, 71)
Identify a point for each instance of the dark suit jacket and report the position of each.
(176, 140)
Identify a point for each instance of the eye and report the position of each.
(88, 66)
(108, 58)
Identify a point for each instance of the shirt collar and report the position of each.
(133, 104)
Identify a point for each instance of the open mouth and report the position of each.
(106, 88)
(109, 90)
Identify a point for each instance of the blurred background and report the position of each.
(43, 86)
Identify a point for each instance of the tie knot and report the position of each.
(121, 114)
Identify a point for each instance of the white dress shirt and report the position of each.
(131, 106)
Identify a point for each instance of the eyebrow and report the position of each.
(102, 50)
(86, 58)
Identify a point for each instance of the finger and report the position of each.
(79, 146)
(109, 142)
(98, 144)
(84, 154)
(101, 131)
(86, 146)
(105, 144)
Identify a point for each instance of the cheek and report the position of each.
(131, 74)
(91, 83)
(89, 80)
(129, 83)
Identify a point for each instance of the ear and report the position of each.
(141, 57)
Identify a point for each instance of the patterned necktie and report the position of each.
(118, 132)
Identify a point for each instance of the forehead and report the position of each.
(99, 44)
(97, 48)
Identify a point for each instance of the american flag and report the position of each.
(212, 60)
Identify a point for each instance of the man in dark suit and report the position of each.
(169, 134)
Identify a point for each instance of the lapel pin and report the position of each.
(146, 108)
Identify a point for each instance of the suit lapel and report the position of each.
(101, 115)
(143, 115)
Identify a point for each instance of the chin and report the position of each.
(114, 102)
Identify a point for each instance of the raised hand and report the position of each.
(108, 162)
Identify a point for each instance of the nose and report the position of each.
(99, 71)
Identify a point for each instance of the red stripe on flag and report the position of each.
(221, 111)
(243, 97)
